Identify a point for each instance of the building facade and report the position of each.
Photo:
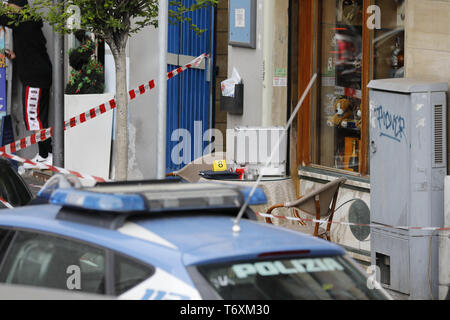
(347, 43)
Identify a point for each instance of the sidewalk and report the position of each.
(35, 180)
(397, 295)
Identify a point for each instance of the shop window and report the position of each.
(345, 64)
(389, 40)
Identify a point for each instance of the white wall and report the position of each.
(427, 48)
(249, 64)
(264, 103)
(143, 110)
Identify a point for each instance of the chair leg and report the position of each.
(297, 215)
(269, 211)
(316, 228)
(330, 218)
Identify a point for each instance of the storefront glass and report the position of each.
(340, 57)
(388, 42)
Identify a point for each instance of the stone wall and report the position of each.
(427, 48)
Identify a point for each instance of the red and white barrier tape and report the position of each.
(376, 226)
(6, 203)
(91, 114)
(52, 168)
(28, 141)
(94, 112)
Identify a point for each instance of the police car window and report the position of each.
(328, 278)
(129, 273)
(3, 234)
(5, 238)
(45, 261)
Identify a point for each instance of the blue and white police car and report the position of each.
(168, 240)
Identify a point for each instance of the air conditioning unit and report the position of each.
(251, 147)
(408, 165)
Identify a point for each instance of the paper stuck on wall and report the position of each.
(239, 18)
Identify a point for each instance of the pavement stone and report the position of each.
(35, 180)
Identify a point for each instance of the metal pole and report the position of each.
(162, 89)
(58, 97)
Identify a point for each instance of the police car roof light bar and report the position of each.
(155, 197)
(99, 201)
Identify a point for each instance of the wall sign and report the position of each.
(242, 23)
(6, 131)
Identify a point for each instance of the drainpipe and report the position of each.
(269, 7)
(58, 98)
(162, 89)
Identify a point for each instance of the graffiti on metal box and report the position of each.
(392, 126)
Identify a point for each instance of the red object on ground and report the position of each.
(241, 173)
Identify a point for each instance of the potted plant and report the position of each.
(87, 147)
(87, 75)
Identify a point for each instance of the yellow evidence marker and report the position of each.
(219, 165)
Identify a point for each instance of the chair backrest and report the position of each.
(191, 171)
(325, 196)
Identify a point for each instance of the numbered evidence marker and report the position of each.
(219, 165)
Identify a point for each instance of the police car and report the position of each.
(163, 240)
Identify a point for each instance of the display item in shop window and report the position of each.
(353, 163)
(348, 58)
(354, 123)
(346, 3)
(400, 10)
(358, 119)
(348, 50)
(397, 61)
(352, 12)
(343, 112)
(330, 65)
(329, 104)
(339, 160)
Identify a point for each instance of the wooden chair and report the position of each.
(316, 204)
(191, 171)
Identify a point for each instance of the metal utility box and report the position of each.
(408, 164)
(251, 147)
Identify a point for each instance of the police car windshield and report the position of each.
(324, 278)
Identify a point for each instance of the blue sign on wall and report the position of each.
(242, 23)
(6, 131)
